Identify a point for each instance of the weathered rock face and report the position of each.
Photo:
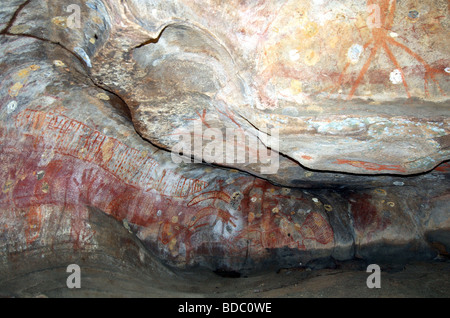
(348, 107)
(345, 84)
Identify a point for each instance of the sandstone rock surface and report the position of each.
(90, 112)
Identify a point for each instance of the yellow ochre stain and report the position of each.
(311, 29)
(296, 87)
(172, 244)
(14, 90)
(45, 187)
(59, 63)
(380, 191)
(311, 58)
(7, 186)
(60, 21)
(102, 96)
(106, 150)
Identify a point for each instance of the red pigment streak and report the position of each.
(227, 113)
(75, 139)
(80, 233)
(445, 167)
(34, 222)
(366, 217)
(76, 179)
(381, 39)
(320, 228)
(265, 231)
(370, 165)
(202, 118)
(210, 195)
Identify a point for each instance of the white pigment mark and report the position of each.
(396, 77)
(354, 53)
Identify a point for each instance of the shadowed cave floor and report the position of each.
(423, 280)
(119, 266)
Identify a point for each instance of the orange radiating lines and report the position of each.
(381, 39)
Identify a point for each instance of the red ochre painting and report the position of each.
(331, 54)
(382, 40)
(64, 163)
(56, 169)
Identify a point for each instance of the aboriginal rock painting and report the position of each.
(130, 165)
(369, 166)
(277, 218)
(367, 218)
(330, 49)
(382, 39)
(65, 166)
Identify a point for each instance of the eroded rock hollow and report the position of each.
(146, 136)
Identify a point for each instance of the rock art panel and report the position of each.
(88, 117)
